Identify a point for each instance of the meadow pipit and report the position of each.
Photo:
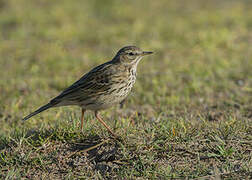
(102, 87)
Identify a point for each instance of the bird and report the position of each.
(102, 87)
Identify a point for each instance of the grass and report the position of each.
(188, 116)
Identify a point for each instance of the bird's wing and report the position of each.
(94, 81)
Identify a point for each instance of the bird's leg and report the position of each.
(82, 117)
(103, 123)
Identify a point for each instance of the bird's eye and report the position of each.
(131, 54)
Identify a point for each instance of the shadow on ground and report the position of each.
(62, 152)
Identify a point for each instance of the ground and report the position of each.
(189, 114)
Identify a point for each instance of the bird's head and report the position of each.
(130, 55)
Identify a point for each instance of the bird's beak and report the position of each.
(146, 53)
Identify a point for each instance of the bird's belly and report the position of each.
(116, 94)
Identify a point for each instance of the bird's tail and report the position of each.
(41, 109)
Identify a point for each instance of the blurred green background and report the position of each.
(202, 61)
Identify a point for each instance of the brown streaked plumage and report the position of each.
(102, 87)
